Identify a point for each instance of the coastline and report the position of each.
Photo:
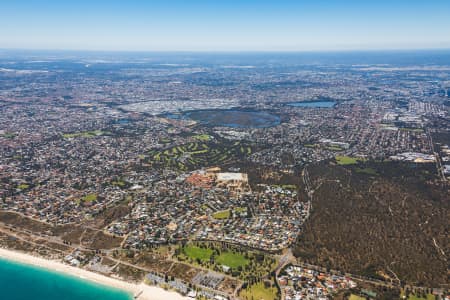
(145, 292)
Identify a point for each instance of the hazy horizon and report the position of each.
(325, 51)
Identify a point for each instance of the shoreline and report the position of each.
(145, 292)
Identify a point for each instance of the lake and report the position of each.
(314, 104)
(230, 118)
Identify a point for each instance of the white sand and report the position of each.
(148, 292)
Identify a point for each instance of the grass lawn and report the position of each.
(240, 209)
(289, 186)
(232, 260)
(346, 160)
(83, 134)
(355, 297)
(23, 186)
(220, 215)
(194, 252)
(259, 291)
(90, 198)
(414, 297)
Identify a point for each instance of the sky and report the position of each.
(224, 25)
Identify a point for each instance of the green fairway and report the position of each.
(220, 215)
(165, 141)
(201, 153)
(194, 252)
(202, 137)
(232, 260)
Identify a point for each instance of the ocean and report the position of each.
(24, 282)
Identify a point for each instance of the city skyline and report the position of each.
(225, 26)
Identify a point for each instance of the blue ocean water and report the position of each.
(24, 282)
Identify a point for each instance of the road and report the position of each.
(439, 167)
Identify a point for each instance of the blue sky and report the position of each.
(224, 25)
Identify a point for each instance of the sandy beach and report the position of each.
(145, 292)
